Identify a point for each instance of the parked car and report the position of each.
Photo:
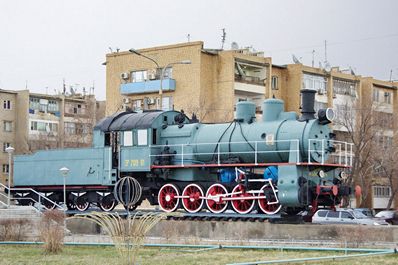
(388, 216)
(344, 216)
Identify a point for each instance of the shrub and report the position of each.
(52, 231)
(14, 229)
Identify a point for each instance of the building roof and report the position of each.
(8, 91)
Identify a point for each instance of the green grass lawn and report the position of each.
(166, 256)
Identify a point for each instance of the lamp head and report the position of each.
(10, 149)
(64, 171)
(134, 51)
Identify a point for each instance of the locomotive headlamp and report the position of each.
(343, 175)
(321, 174)
(326, 116)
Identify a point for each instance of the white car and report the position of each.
(344, 216)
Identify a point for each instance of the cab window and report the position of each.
(142, 137)
(128, 138)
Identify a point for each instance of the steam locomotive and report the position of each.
(246, 165)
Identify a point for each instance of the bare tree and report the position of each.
(361, 129)
(386, 169)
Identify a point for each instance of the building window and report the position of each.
(70, 128)
(314, 82)
(6, 168)
(42, 126)
(381, 191)
(384, 141)
(274, 83)
(383, 119)
(387, 97)
(137, 104)
(5, 146)
(34, 103)
(375, 95)
(167, 103)
(7, 104)
(52, 106)
(7, 126)
(139, 76)
(343, 87)
(319, 105)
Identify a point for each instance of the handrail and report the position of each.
(32, 190)
(347, 154)
(182, 153)
(218, 153)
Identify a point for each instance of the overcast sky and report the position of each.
(42, 42)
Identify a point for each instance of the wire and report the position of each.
(230, 137)
(244, 137)
(215, 149)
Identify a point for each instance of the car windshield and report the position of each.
(359, 215)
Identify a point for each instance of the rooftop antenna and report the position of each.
(391, 75)
(92, 88)
(189, 37)
(63, 87)
(110, 49)
(313, 57)
(224, 34)
(26, 84)
(327, 64)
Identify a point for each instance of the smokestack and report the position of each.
(307, 104)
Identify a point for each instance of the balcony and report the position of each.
(149, 86)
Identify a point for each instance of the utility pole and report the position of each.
(224, 34)
(313, 57)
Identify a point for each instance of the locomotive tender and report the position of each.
(248, 165)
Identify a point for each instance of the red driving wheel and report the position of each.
(194, 202)
(214, 198)
(167, 198)
(263, 203)
(242, 205)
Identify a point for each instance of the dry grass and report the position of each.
(13, 255)
(128, 234)
(14, 229)
(52, 231)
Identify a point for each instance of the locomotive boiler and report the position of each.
(247, 165)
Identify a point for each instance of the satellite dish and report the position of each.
(295, 60)
(234, 46)
(327, 66)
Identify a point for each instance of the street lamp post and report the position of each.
(161, 74)
(64, 172)
(9, 150)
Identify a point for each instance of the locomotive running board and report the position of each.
(248, 165)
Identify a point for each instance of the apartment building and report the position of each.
(209, 86)
(215, 80)
(33, 122)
